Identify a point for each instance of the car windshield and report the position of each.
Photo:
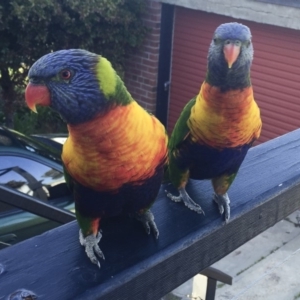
(11, 138)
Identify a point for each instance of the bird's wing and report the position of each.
(181, 129)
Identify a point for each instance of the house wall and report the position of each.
(251, 10)
(141, 68)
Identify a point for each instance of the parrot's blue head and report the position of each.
(66, 80)
(230, 56)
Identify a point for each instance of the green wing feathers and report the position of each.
(179, 134)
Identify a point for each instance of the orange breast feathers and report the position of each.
(124, 145)
(225, 119)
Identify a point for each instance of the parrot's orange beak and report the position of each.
(231, 52)
(37, 95)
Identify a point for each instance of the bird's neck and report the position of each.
(224, 101)
(121, 95)
(225, 119)
(115, 147)
(111, 84)
(238, 77)
(99, 129)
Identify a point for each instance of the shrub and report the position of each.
(32, 28)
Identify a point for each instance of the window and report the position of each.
(42, 146)
(32, 178)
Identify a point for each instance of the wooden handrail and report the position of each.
(213, 275)
(137, 266)
(218, 275)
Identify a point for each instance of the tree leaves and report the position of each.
(31, 28)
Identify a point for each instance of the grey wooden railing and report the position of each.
(54, 265)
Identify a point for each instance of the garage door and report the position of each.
(275, 72)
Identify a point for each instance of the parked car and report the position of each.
(31, 180)
(55, 140)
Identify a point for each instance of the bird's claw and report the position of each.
(194, 206)
(90, 243)
(173, 198)
(223, 202)
(187, 200)
(148, 222)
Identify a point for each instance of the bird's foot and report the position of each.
(91, 247)
(187, 200)
(223, 202)
(147, 220)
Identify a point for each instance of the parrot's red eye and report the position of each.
(65, 74)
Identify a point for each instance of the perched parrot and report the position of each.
(217, 127)
(115, 154)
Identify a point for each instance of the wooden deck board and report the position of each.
(54, 265)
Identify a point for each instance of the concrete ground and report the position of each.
(265, 268)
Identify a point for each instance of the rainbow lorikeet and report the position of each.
(115, 154)
(217, 127)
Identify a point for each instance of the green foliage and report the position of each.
(45, 121)
(32, 28)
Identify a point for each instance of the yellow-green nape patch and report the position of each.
(107, 77)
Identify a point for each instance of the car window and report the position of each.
(46, 148)
(32, 178)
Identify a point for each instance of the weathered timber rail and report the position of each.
(54, 265)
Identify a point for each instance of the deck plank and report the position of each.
(137, 266)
